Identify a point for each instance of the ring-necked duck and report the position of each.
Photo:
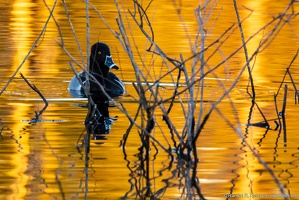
(100, 64)
(98, 120)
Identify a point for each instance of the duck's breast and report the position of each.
(114, 85)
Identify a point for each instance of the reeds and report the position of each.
(188, 76)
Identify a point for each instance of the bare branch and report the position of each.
(34, 88)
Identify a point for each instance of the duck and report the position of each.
(100, 63)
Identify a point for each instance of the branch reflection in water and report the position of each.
(175, 87)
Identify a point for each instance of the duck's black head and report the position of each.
(100, 59)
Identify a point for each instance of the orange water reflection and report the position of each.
(21, 34)
(46, 158)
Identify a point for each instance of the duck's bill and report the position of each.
(109, 63)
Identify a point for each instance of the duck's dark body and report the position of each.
(112, 85)
(99, 66)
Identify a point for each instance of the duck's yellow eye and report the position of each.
(99, 52)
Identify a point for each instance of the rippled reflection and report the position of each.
(62, 157)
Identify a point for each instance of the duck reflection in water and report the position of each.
(102, 83)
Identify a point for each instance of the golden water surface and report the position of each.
(46, 160)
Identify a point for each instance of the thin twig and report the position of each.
(283, 114)
(73, 30)
(245, 52)
(34, 88)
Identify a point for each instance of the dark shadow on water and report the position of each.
(98, 121)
